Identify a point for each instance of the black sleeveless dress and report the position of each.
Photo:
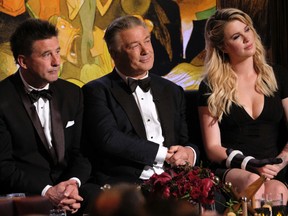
(258, 137)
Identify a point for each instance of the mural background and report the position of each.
(177, 28)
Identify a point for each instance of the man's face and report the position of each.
(134, 55)
(43, 65)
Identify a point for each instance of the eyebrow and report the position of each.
(47, 51)
(133, 42)
(239, 32)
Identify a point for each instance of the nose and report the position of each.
(246, 39)
(144, 49)
(55, 61)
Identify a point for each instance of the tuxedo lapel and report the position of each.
(163, 102)
(58, 140)
(32, 113)
(124, 96)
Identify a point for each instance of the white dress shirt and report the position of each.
(147, 108)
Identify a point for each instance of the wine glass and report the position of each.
(15, 195)
(278, 207)
(57, 212)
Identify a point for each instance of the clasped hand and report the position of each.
(179, 155)
(269, 167)
(65, 195)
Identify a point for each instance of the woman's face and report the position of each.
(239, 41)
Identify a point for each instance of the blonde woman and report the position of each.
(241, 103)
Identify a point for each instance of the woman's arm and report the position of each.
(284, 153)
(211, 136)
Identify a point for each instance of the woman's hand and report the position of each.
(269, 171)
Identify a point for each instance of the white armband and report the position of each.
(231, 156)
(245, 161)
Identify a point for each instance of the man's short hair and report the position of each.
(27, 33)
(118, 25)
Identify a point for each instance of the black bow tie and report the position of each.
(144, 84)
(35, 95)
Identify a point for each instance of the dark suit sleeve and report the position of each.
(13, 177)
(108, 130)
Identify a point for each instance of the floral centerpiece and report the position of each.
(194, 184)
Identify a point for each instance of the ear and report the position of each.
(223, 48)
(22, 61)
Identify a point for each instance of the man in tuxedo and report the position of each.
(133, 132)
(41, 122)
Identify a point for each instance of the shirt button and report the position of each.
(148, 120)
(151, 137)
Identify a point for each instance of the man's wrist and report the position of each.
(77, 180)
(161, 154)
(43, 193)
(194, 155)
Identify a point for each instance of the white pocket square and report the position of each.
(70, 123)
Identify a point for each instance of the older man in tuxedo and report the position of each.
(134, 121)
(41, 122)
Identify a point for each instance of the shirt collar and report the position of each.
(125, 78)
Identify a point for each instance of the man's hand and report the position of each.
(72, 200)
(65, 195)
(180, 155)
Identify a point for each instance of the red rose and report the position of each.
(195, 172)
(207, 193)
(162, 178)
(194, 184)
(207, 184)
(166, 192)
(195, 193)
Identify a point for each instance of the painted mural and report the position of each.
(177, 28)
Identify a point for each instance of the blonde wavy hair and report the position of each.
(220, 77)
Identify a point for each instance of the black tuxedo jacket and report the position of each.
(117, 145)
(26, 164)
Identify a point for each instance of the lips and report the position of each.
(145, 59)
(249, 47)
(54, 70)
